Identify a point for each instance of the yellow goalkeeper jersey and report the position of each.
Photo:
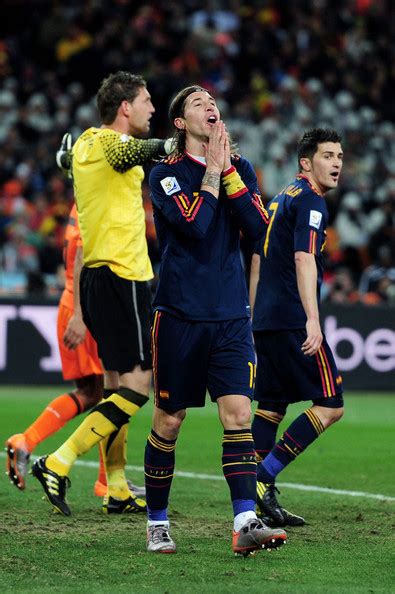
(107, 176)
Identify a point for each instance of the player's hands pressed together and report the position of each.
(215, 158)
(314, 337)
(75, 332)
(227, 162)
(215, 149)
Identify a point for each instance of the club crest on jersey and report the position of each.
(170, 185)
(315, 219)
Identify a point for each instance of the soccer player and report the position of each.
(201, 333)
(80, 363)
(294, 361)
(114, 292)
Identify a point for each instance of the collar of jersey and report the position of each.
(196, 159)
(301, 176)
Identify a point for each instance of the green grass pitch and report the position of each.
(346, 546)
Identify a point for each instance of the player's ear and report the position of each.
(305, 164)
(179, 123)
(124, 107)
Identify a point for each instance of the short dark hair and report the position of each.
(308, 144)
(113, 90)
(177, 109)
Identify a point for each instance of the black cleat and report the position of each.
(290, 519)
(131, 505)
(270, 511)
(54, 485)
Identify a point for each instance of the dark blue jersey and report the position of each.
(298, 220)
(201, 275)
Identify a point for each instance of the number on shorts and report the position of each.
(252, 367)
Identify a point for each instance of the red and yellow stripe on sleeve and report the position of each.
(188, 210)
(257, 202)
(313, 242)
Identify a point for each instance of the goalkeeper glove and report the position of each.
(63, 155)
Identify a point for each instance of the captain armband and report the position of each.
(233, 184)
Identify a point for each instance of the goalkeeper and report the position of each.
(115, 295)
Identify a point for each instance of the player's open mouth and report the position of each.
(212, 119)
(335, 175)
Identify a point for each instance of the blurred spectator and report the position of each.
(342, 289)
(50, 255)
(351, 222)
(36, 286)
(17, 254)
(277, 172)
(377, 282)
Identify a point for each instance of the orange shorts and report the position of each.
(84, 360)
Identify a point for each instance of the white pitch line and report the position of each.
(215, 477)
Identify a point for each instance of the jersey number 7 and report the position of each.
(273, 207)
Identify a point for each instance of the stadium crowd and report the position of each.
(276, 69)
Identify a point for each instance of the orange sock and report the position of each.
(56, 414)
(102, 470)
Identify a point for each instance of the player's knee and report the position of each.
(328, 416)
(236, 419)
(89, 391)
(336, 414)
(88, 398)
(168, 425)
(138, 380)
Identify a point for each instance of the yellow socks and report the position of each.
(113, 451)
(92, 430)
(108, 416)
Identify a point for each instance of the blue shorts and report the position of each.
(190, 357)
(285, 374)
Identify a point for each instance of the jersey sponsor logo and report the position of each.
(170, 185)
(315, 219)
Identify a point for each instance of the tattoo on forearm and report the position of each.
(212, 179)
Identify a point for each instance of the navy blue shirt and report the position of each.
(201, 275)
(298, 222)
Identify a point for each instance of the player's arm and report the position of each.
(306, 275)
(189, 211)
(254, 278)
(75, 331)
(124, 152)
(241, 187)
(310, 217)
